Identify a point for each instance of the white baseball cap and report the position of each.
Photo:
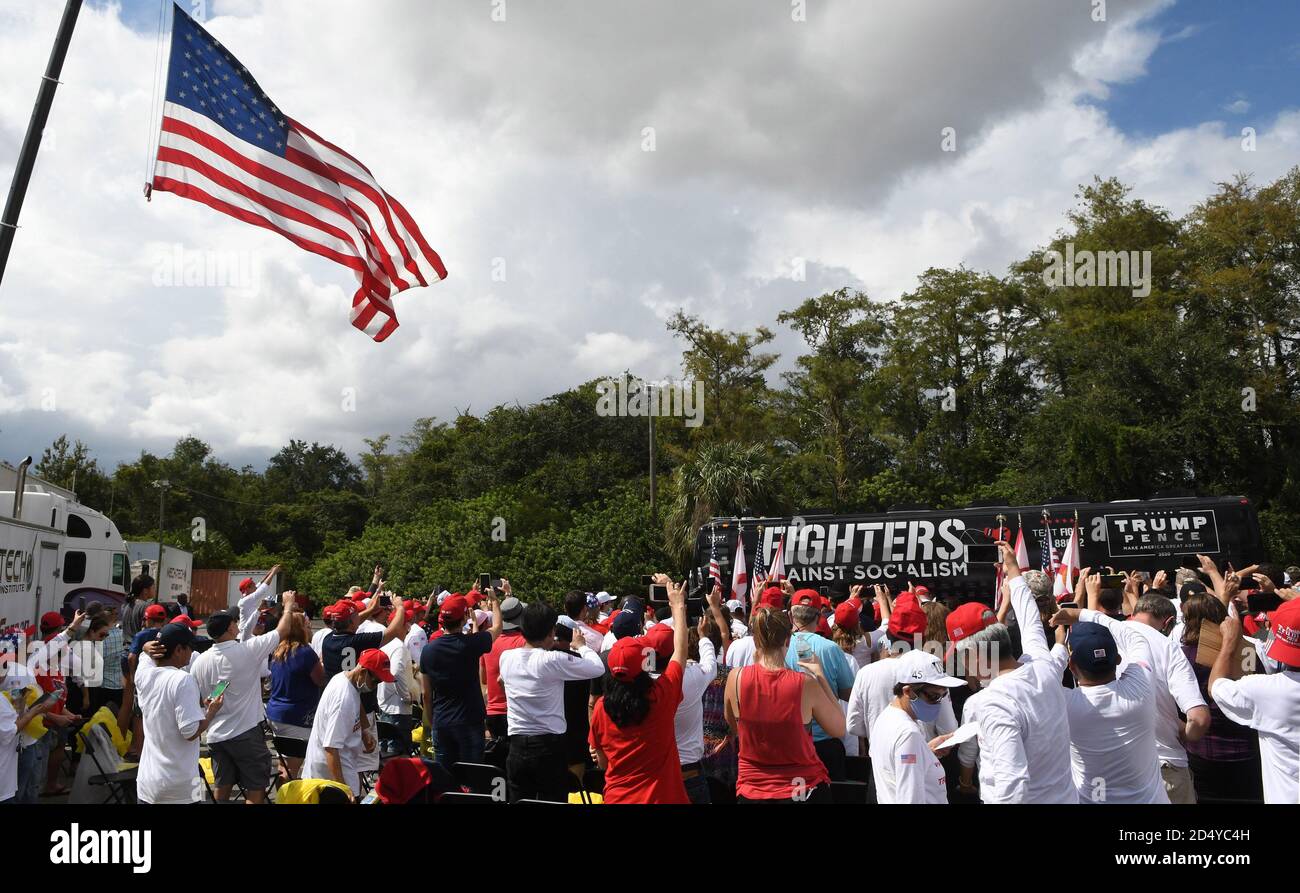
(604, 597)
(733, 605)
(923, 668)
(442, 596)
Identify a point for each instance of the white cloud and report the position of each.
(521, 141)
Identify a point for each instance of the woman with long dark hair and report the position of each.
(632, 735)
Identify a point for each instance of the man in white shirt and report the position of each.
(416, 637)
(396, 698)
(1176, 690)
(1023, 743)
(236, 740)
(603, 601)
(1270, 704)
(1112, 718)
(738, 628)
(174, 718)
(340, 731)
(906, 766)
(533, 677)
(250, 598)
(578, 607)
(873, 689)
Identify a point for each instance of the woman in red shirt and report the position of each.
(632, 735)
(770, 708)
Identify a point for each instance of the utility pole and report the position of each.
(653, 515)
(35, 130)
(162, 486)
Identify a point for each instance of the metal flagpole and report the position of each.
(35, 130)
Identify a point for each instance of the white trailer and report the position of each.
(175, 575)
(233, 595)
(55, 553)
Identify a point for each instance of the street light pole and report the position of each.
(162, 486)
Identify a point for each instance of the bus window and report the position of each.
(119, 569)
(77, 527)
(74, 567)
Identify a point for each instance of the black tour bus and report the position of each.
(951, 550)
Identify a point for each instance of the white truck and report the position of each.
(55, 553)
(174, 577)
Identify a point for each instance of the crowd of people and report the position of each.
(1133, 689)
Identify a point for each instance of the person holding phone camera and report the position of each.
(632, 727)
(239, 751)
(449, 671)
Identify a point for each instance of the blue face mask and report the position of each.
(924, 710)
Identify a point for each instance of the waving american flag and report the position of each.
(226, 144)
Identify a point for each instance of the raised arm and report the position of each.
(857, 715)
(1033, 641)
(715, 609)
(396, 618)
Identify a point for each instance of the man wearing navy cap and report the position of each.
(1112, 716)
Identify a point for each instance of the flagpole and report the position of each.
(35, 130)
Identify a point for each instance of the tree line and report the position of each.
(969, 387)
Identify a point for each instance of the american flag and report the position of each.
(226, 144)
(907, 759)
(715, 567)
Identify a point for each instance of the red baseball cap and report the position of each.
(246, 584)
(846, 616)
(772, 597)
(968, 619)
(474, 598)
(53, 619)
(922, 592)
(810, 597)
(192, 624)
(907, 619)
(660, 638)
(376, 662)
(341, 609)
(454, 608)
(1286, 634)
(153, 612)
(627, 659)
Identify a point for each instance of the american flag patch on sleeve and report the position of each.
(908, 759)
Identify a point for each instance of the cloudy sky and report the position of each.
(520, 147)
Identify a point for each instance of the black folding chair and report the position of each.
(858, 768)
(121, 785)
(851, 793)
(456, 798)
(286, 749)
(481, 778)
